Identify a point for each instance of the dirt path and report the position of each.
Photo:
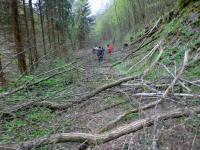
(83, 120)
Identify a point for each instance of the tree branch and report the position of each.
(150, 105)
(96, 139)
(2, 95)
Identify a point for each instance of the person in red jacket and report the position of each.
(110, 48)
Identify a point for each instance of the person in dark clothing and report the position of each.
(100, 54)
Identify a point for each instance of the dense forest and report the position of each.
(125, 77)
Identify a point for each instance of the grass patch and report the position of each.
(32, 124)
(2, 89)
(193, 72)
(133, 116)
(121, 68)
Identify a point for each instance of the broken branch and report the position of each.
(96, 139)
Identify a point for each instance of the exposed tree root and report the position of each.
(96, 139)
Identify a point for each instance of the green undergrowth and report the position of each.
(179, 35)
(45, 88)
(130, 105)
(133, 116)
(38, 122)
(31, 124)
(193, 73)
(191, 123)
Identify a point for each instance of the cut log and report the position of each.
(96, 139)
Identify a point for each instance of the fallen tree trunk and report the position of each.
(2, 95)
(88, 96)
(146, 56)
(150, 32)
(96, 139)
(142, 45)
(150, 105)
(161, 94)
(176, 78)
(143, 39)
(31, 104)
(57, 106)
(105, 87)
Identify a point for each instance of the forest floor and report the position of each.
(85, 75)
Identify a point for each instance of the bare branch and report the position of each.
(96, 139)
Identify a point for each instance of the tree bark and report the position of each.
(18, 41)
(53, 34)
(42, 26)
(33, 33)
(153, 104)
(48, 22)
(28, 38)
(2, 78)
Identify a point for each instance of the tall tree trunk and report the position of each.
(53, 33)
(42, 25)
(2, 78)
(18, 42)
(59, 44)
(28, 38)
(33, 33)
(48, 22)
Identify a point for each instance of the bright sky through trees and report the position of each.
(97, 5)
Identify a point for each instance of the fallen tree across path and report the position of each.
(151, 105)
(96, 139)
(83, 99)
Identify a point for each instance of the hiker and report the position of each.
(100, 54)
(110, 48)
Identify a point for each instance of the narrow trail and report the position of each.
(95, 75)
(84, 121)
